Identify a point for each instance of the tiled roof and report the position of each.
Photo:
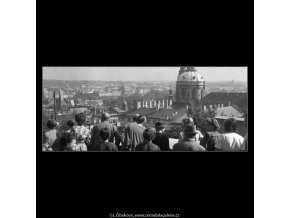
(228, 111)
(213, 98)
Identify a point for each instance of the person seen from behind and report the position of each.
(105, 145)
(161, 140)
(189, 122)
(230, 140)
(212, 134)
(189, 142)
(147, 145)
(81, 132)
(50, 136)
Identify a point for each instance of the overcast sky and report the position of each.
(141, 73)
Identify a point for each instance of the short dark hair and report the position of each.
(104, 134)
(65, 139)
(149, 134)
(141, 119)
(51, 124)
(136, 117)
(105, 116)
(80, 118)
(71, 123)
(230, 125)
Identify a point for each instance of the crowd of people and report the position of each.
(135, 137)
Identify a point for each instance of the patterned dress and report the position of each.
(82, 134)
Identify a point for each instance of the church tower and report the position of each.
(190, 86)
(170, 97)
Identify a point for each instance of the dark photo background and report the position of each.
(209, 184)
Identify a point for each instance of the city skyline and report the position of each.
(162, 74)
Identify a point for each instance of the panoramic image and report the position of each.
(153, 109)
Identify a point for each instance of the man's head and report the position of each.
(66, 139)
(71, 123)
(105, 116)
(230, 125)
(136, 117)
(51, 124)
(141, 119)
(80, 118)
(159, 126)
(189, 131)
(105, 134)
(187, 121)
(149, 134)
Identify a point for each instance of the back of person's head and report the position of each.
(149, 134)
(230, 125)
(71, 123)
(104, 134)
(141, 119)
(80, 118)
(105, 116)
(188, 121)
(136, 117)
(65, 139)
(51, 124)
(189, 131)
(159, 126)
(212, 122)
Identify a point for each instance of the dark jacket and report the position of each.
(209, 140)
(162, 141)
(106, 146)
(133, 136)
(188, 145)
(96, 139)
(147, 146)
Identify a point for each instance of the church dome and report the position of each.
(190, 76)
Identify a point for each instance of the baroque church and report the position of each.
(190, 87)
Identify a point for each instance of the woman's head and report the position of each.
(51, 124)
(149, 134)
(80, 118)
(71, 123)
(67, 139)
(230, 125)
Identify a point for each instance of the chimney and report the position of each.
(150, 104)
(138, 105)
(158, 107)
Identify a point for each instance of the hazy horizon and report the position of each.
(139, 74)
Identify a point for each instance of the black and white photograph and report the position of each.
(137, 109)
